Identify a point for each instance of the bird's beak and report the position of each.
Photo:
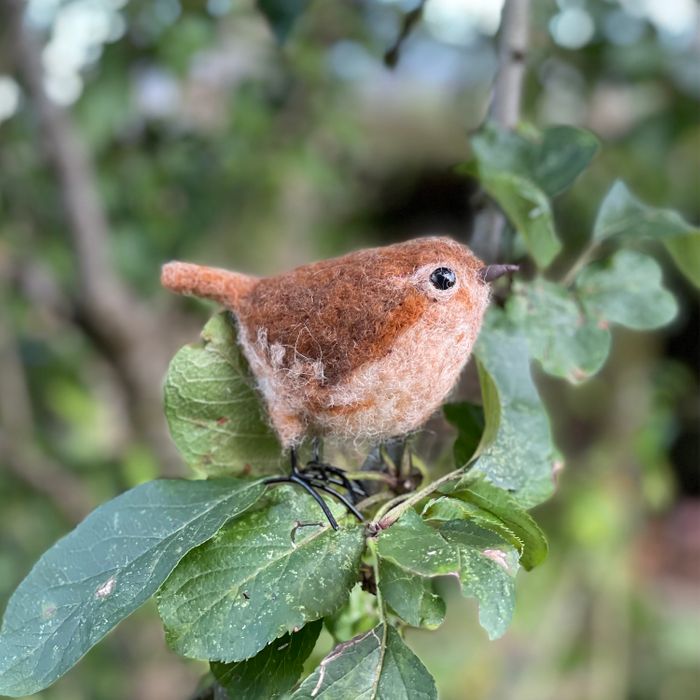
(489, 273)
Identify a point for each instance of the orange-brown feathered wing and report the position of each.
(343, 312)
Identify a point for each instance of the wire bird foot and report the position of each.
(318, 476)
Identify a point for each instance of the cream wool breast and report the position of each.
(392, 392)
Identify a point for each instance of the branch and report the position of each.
(132, 339)
(512, 51)
(77, 182)
(18, 442)
(505, 111)
(410, 20)
(390, 512)
(63, 490)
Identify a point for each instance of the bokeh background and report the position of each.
(136, 132)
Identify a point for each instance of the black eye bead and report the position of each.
(443, 278)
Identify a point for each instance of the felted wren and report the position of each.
(364, 346)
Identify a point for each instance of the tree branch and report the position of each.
(512, 52)
(131, 338)
(45, 476)
(18, 442)
(505, 111)
(410, 20)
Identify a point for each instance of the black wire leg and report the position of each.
(316, 478)
(321, 471)
(355, 488)
(294, 479)
(356, 493)
(298, 478)
(350, 506)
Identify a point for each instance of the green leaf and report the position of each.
(567, 342)
(413, 598)
(410, 553)
(213, 409)
(487, 569)
(502, 150)
(105, 569)
(563, 155)
(622, 214)
(487, 561)
(376, 665)
(469, 421)
(551, 159)
(520, 529)
(282, 15)
(685, 251)
(447, 509)
(626, 289)
(359, 614)
(528, 209)
(263, 578)
(413, 545)
(521, 173)
(273, 671)
(516, 452)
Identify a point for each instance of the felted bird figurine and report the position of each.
(361, 347)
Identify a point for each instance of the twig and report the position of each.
(381, 608)
(131, 338)
(374, 499)
(504, 111)
(390, 512)
(584, 258)
(65, 491)
(410, 19)
(512, 51)
(18, 451)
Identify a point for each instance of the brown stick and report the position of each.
(512, 52)
(410, 19)
(19, 453)
(505, 111)
(43, 475)
(125, 332)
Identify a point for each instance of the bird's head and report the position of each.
(451, 281)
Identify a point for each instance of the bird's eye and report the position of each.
(443, 278)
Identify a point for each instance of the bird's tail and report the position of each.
(222, 286)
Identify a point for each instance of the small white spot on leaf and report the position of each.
(497, 555)
(48, 610)
(557, 468)
(106, 589)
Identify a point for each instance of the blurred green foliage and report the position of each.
(213, 142)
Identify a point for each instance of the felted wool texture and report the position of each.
(221, 286)
(396, 394)
(357, 347)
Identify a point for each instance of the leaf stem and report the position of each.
(370, 476)
(583, 260)
(368, 502)
(393, 503)
(372, 546)
(390, 512)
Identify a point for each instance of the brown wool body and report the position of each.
(362, 346)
